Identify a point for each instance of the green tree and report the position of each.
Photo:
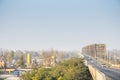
(60, 78)
(73, 69)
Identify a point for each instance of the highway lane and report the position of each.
(113, 74)
(110, 72)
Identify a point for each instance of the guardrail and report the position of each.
(108, 78)
(96, 74)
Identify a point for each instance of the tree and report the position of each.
(60, 78)
(61, 56)
(73, 69)
(21, 61)
(10, 56)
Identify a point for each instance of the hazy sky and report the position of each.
(59, 24)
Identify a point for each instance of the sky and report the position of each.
(59, 24)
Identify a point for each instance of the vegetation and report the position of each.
(73, 69)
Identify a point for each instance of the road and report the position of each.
(9, 77)
(114, 74)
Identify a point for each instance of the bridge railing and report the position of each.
(96, 74)
(108, 78)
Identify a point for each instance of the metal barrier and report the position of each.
(96, 74)
(108, 78)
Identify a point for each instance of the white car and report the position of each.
(103, 65)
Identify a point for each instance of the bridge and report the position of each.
(100, 72)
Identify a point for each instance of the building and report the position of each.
(28, 59)
(49, 58)
(2, 62)
(95, 50)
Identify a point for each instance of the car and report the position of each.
(103, 65)
(91, 61)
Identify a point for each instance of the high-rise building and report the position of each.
(95, 50)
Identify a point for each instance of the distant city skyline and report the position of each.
(61, 25)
